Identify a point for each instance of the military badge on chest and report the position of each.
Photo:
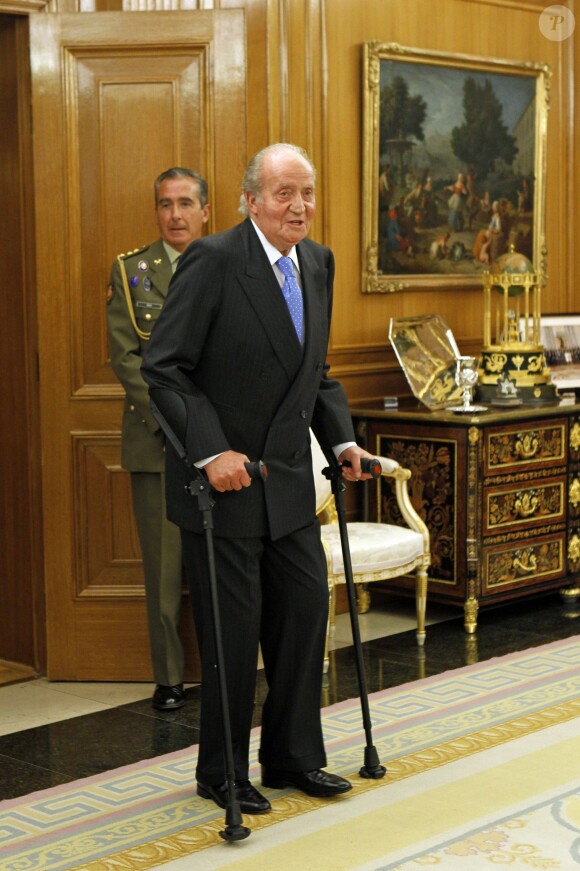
(146, 283)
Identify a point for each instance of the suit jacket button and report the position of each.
(303, 414)
(296, 454)
(131, 408)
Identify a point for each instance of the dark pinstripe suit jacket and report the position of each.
(225, 342)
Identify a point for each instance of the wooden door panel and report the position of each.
(126, 104)
(106, 546)
(117, 98)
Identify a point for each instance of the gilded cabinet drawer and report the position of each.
(517, 506)
(528, 445)
(523, 563)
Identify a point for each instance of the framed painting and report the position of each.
(454, 166)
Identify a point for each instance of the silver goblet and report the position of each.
(466, 379)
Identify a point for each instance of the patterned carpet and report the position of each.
(482, 771)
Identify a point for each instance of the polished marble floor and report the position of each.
(55, 732)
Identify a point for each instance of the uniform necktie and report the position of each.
(292, 294)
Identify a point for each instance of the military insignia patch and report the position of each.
(143, 265)
(134, 280)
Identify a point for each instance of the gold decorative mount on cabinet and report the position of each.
(575, 436)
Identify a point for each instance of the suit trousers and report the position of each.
(273, 595)
(162, 566)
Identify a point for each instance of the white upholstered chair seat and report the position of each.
(376, 550)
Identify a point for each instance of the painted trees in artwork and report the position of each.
(483, 138)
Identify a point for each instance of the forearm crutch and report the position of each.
(201, 489)
(372, 768)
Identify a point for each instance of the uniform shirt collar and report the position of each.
(171, 252)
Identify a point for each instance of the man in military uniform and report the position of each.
(137, 292)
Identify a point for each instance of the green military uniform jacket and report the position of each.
(138, 288)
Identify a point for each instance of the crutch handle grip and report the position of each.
(257, 469)
(369, 465)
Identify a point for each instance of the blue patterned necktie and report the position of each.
(292, 294)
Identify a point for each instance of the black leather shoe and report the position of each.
(318, 783)
(249, 799)
(168, 698)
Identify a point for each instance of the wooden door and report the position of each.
(117, 98)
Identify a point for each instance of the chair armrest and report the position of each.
(388, 466)
(401, 475)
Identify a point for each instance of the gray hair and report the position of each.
(252, 181)
(182, 172)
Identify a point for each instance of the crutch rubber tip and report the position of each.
(235, 833)
(373, 773)
(372, 769)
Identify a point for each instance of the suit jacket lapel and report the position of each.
(265, 295)
(314, 280)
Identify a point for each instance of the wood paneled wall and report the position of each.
(304, 62)
(490, 29)
(21, 607)
(305, 85)
(312, 94)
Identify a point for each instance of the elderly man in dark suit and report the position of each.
(237, 365)
(137, 293)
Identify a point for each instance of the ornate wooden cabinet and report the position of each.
(499, 492)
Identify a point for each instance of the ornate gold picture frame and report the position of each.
(454, 166)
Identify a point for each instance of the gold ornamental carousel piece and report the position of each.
(513, 365)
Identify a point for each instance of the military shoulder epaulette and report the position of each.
(120, 260)
(132, 253)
